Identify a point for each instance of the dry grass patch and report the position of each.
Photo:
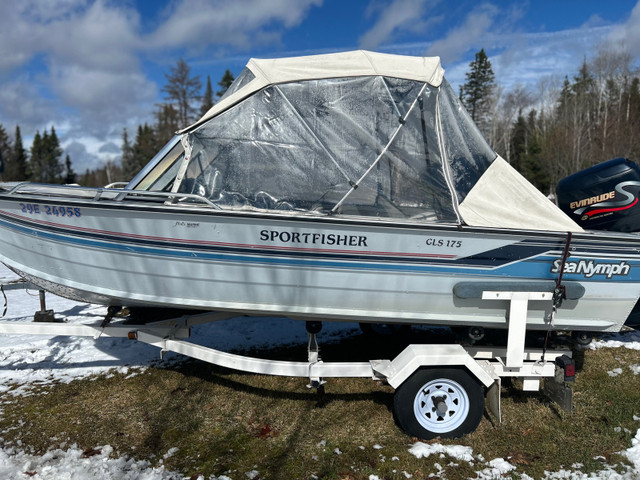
(224, 422)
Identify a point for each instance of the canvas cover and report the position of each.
(356, 133)
(503, 197)
(262, 72)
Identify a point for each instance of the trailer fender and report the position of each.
(416, 356)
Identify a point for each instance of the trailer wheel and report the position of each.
(445, 402)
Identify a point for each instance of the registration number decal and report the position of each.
(34, 209)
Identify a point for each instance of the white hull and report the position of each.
(123, 254)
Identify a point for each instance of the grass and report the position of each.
(228, 423)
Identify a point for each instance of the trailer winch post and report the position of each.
(518, 307)
(43, 315)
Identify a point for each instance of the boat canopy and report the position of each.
(355, 133)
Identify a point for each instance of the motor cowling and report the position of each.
(604, 196)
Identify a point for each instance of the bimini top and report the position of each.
(357, 134)
(262, 72)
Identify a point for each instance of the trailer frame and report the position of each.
(486, 365)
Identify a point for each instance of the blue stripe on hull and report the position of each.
(525, 260)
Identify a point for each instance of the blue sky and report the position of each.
(94, 67)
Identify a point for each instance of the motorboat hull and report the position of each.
(140, 253)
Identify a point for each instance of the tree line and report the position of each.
(552, 131)
(43, 163)
(183, 96)
(546, 132)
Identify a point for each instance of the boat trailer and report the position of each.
(440, 388)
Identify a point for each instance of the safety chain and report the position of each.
(559, 292)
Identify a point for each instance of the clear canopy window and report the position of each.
(363, 144)
(366, 146)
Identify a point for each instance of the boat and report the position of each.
(342, 187)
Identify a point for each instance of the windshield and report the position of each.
(160, 172)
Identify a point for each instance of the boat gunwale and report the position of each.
(143, 205)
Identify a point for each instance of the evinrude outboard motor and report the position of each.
(603, 197)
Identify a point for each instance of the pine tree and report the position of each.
(70, 175)
(53, 167)
(583, 83)
(45, 165)
(19, 170)
(167, 123)
(207, 98)
(129, 169)
(531, 163)
(144, 147)
(36, 158)
(225, 83)
(136, 156)
(518, 142)
(477, 92)
(5, 154)
(565, 100)
(183, 90)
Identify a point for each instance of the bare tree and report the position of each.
(183, 90)
(506, 110)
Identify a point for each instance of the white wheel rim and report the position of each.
(441, 405)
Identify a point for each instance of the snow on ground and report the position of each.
(630, 340)
(27, 360)
(74, 463)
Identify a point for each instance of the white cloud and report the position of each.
(88, 74)
(87, 55)
(89, 82)
(474, 33)
(81, 159)
(97, 35)
(627, 36)
(77, 64)
(104, 95)
(87, 152)
(21, 103)
(110, 148)
(243, 23)
(17, 40)
(528, 58)
(44, 12)
(398, 16)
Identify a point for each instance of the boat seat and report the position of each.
(574, 290)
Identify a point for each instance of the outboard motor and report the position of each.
(603, 197)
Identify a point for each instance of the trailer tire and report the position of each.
(443, 402)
